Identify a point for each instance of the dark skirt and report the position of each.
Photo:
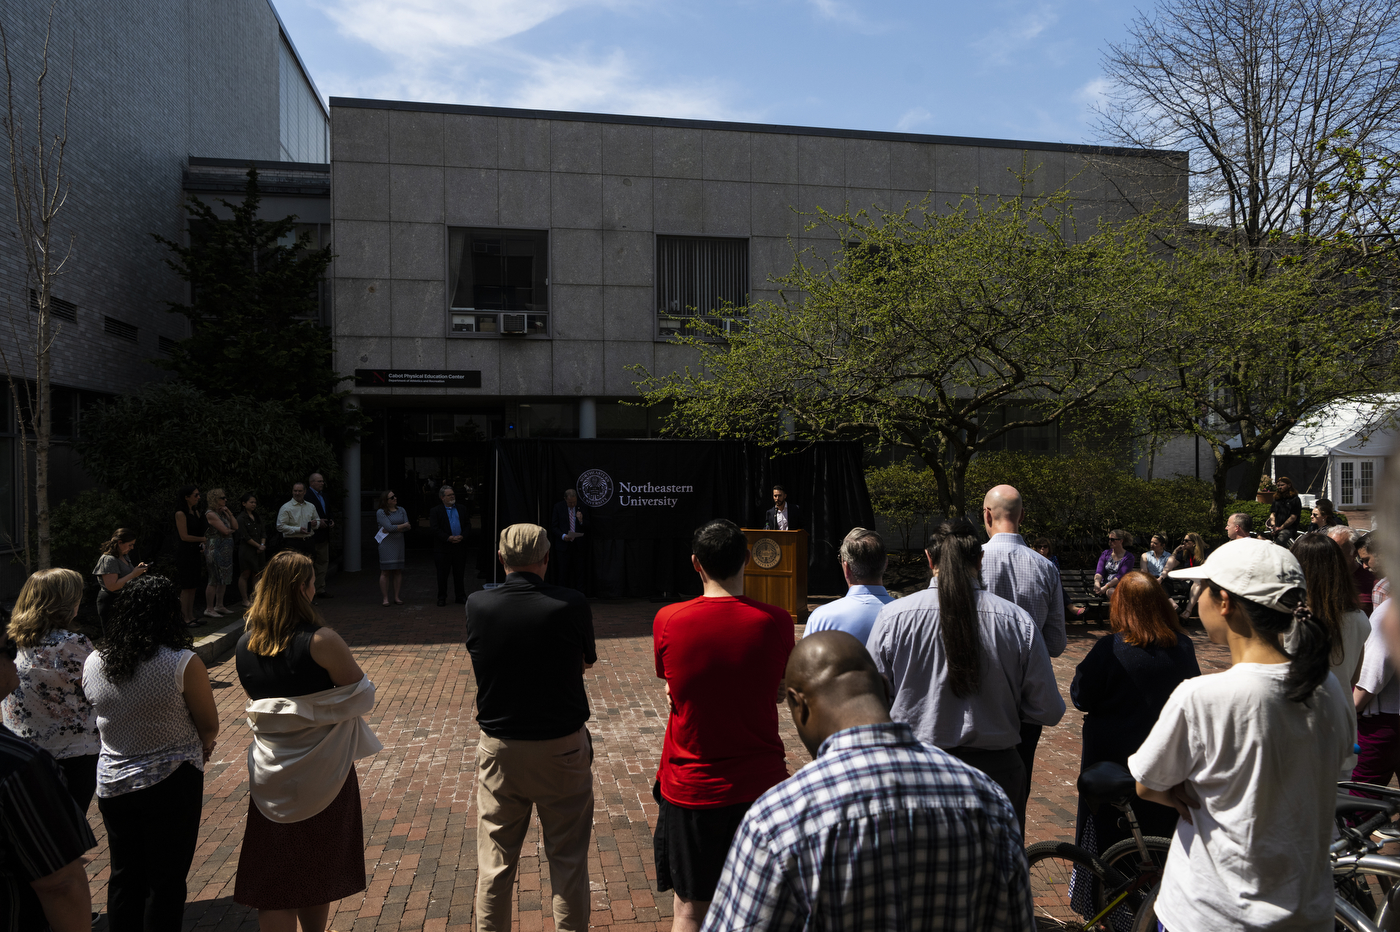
(189, 566)
(298, 864)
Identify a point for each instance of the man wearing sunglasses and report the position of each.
(42, 834)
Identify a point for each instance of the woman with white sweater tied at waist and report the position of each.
(303, 847)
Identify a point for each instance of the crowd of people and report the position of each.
(922, 715)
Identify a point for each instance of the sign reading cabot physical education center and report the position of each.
(387, 378)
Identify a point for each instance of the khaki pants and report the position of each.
(556, 777)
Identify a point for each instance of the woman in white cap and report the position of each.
(1249, 757)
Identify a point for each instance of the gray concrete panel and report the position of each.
(911, 166)
(1084, 176)
(821, 160)
(576, 312)
(680, 206)
(361, 191)
(361, 307)
(627, 203)
(868, 163)
(419, 309)
(578, 367)
(472, 196)
(675, 153)
(360, 135)
(419, 250)
(628, 258)
(956, 168)
(470, 141)
(367, 352)
(769, 257)
(415, 193)
(361, 249)
(872, 200)
(415, 137)
(725, 156)
(576, 201)
(417, 352)
(626, 149)
(576, 147)
(771, 209)
(899, 200)
(618, 358)
(527, 366)
(576, 257)
(482, 355)
(1000, 170)
(833, 200)
(674, 357)
(726, 208)
(773, 158)
(524, 199)
(524, 144)
(629, 313)
(1048, 171)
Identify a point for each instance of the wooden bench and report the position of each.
(1079, 586)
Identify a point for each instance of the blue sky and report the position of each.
(1015, 69)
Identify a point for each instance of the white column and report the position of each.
(350, 559)
(587, 418)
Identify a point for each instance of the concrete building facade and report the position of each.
(152, 83)
(546, 258)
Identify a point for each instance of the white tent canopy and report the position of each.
(1360, 427)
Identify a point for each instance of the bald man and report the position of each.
(879, 828)
(1018, 574)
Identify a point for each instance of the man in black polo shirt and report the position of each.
(530, 644)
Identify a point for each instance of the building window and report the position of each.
(498, 282)
(1356, 482)
(697, 278)
(304, 129)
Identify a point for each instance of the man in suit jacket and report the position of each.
(567, 526)
(321, 537)
(784, 515)
(449, 525)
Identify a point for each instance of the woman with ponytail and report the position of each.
(1249, 758)
(967, 667)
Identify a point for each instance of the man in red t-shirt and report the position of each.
(722, 657)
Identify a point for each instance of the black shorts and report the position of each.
(690, 845)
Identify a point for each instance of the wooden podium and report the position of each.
(777, 570)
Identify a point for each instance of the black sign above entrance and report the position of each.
(388, 378)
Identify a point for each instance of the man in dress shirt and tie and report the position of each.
(784, 515)
(567, 525)
(321, 539)
(863, 562)
(296, 521)
(1018, 574)
(448, 525)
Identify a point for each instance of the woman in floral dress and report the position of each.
(49, 708)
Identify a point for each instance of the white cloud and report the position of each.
(1021, 29)
(1094, 93)
(839, 12)
(913, 118)
(413, 27)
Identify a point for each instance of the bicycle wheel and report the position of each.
(1067, 884)
(1125, 858)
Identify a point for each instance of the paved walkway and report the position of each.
(418, 793)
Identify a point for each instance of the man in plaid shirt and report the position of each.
(879, 831)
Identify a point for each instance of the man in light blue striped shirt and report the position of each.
(863, 562)
(1018, 574)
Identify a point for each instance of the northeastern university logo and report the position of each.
(595, 487)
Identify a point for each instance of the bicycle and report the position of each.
(1074, 889)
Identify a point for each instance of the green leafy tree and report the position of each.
(253, 313)
(923, 329)
(906, 497)
(147, 444)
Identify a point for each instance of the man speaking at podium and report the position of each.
(567, 525)
(784, 515)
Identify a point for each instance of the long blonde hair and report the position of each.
(281, 604)
(45, 604)
(211, 499)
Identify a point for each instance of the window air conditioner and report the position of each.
(513, 324)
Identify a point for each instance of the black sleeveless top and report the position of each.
(290, 673)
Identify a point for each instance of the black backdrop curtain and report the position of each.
(644, 498)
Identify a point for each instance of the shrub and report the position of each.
(906, 497)
(80, 525)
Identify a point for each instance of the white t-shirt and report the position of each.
(1265, 770)
(1377, 672)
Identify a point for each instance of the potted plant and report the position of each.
(1266, 490)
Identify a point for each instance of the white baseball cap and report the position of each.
(1256, 570)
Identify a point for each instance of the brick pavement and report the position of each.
(418, 793)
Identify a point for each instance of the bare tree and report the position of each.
(40, 190)
(1275, 99)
